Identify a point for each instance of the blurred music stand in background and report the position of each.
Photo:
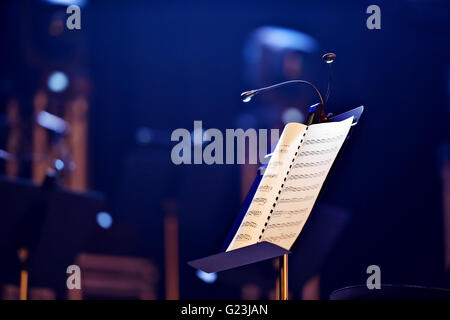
(53, 224)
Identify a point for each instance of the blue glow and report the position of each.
(207, 277)
(292, 115)
(144, 135)
(57, 81)
(4, 155)
(59, 164)
(104, 220)
(284, 38)
(79, 3)
(246, 121)
(52, 122)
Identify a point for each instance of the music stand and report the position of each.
(261, 251)
(52, 224)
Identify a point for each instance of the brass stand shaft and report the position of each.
(23, 284)
(283, 294)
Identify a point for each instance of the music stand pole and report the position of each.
(283, 283)
(23, 256)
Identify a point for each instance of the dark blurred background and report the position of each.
(141, 69)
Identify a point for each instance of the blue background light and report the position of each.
(104, 220)
(57, 81)
(207, 277)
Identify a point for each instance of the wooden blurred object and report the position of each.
(171, 250)
(250, 291)
(446, 206)
(13, 142)
(73, 146)
(104, 276)
(40, 147)
(23, 285)
(22, 254)
(311, 289)
(77, 116)
(12, 292)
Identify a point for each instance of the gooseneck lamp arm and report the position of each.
(248, 95)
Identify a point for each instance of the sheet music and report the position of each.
(255, 219)
(304, 181)
(291, 183)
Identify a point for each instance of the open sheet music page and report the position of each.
(291, 183)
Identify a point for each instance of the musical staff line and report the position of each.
(299, 189)
(285, 224)
(291, 200)
(306, 175)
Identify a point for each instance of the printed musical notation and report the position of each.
(243, 237)
(292, 200)
(254, 213)
(282, 236)
(300, 189)
(291, 182)
(265, 188)
(307, 175)
(303, 181)
(312, 164)
(260, 200)
(326, 140)
(285, 224)
(290, 212)
(250, 224)
(318, 152)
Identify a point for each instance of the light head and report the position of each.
(329, 57)
(248, 95)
